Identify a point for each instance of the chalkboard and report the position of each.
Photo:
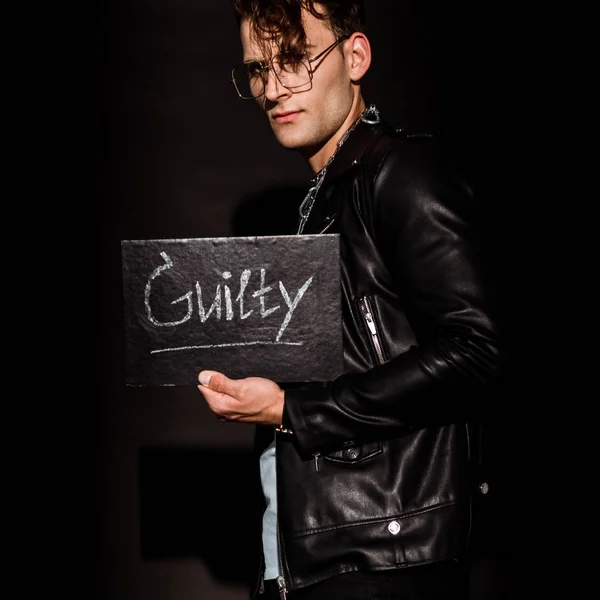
(266, 306)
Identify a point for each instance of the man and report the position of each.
(367, 479)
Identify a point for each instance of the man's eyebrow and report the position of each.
(310, 48)
(252, 60)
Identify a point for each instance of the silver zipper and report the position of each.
(281, 584)
(365, 308)
(316, 457)
(281, 587)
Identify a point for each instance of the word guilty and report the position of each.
(223, 301)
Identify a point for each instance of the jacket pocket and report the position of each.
(353, 452)
(365, 307)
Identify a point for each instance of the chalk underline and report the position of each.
(226, 346)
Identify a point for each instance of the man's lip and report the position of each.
(283, 114)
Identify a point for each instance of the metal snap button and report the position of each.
(484, 488)
(352, 453)
(394, 528)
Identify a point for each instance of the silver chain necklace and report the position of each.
(371, 116)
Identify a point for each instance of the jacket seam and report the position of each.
(307, 532)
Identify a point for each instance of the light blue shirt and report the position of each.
(268, 477)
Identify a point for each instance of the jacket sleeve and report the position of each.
(430, 235)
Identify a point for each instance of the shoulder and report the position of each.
(412, 155)
(416, 172)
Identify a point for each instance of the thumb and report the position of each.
(216, 381)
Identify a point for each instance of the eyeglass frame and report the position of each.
(268, 65)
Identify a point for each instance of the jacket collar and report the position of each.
(328, 204)
(353, 149)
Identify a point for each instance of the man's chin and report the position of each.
(289, 142)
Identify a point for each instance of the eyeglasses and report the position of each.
(292, 71)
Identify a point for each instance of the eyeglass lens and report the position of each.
(250, 78)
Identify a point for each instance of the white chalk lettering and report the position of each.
(244, 279)
(168, 264)
(224, 291)
(216, 305)
(291, 305)
(228, 305)
(260, 294)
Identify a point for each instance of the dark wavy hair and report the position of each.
(281, 20)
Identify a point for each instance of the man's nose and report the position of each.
(274, 88)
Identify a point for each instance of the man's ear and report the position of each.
(357, 50)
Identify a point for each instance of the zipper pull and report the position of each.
(316, 456)
(366, 311)
(282, 588)
(372, 326)
(370, 322)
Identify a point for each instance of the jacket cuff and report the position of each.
(285, 420)
(285, 426)
(308, 438)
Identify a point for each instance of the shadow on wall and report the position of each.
(197, 502)
(270, 212)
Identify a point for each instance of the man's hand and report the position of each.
(249, 400)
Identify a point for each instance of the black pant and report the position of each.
(441, 581)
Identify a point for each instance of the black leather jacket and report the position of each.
(377, 473)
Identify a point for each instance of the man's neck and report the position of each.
(319, 159)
